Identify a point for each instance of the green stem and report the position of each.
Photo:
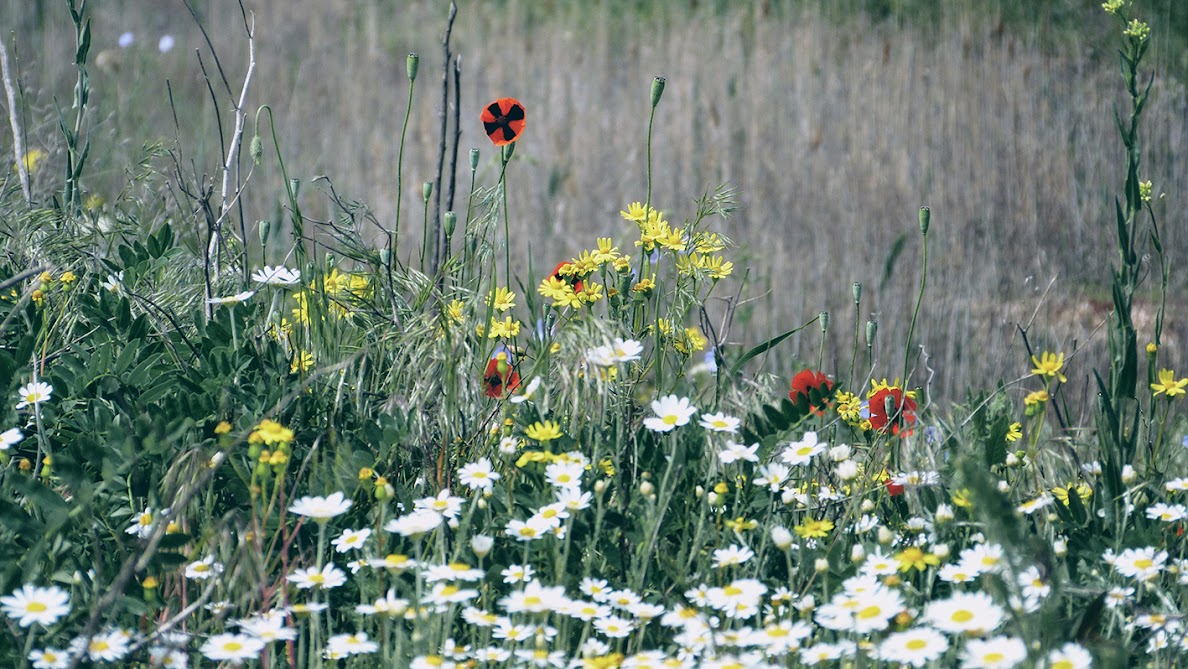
(395, 240)
(907, 349)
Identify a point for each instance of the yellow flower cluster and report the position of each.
(653, 229)
(849, 407)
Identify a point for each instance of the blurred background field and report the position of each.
(835, 122)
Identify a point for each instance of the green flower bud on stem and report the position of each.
(257, 149)
(508, 150)
(925, 214)
(427, 190)
(450, 221)
(474, 158)
(824, 321)
(872, 328)
(857, 289)
(410, 65)
(657, 90)
(265, 229)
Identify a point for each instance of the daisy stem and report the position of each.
(28, 647)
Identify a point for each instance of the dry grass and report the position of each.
(834, 131)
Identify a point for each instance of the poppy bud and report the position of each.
(385, 256)
(265, 229)
(294, 186)
(508, 150)
(474, 159)
(256, 148)
(924, 216)
(872, 328)
(857, 289)
(657, 90)
(824, 321)
(426, 190)
(410, 66)
(450, 221)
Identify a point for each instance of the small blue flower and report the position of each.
(711, 364)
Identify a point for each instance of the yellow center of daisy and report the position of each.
(870, 612)
(916, 644)
(732, 590)
(98, 646)
(670, 420)
(962, 616)
(992, 658)
(232, 646)
(36, 607)
(1143, 563)
(317, 578)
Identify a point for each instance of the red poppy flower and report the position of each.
(891, 411)
(500, 378)
(813, 387)
(571, 279)
(503, 120)
(893, 488)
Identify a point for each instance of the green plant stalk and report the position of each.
(854, 351)
(395, 239)
(907, 347)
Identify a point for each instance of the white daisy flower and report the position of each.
(203, 569)
(322, 509)
(671, 412)
(351, 539)
(277, 276)
(10, 438)
(735, 452)
(326, 578)
(720, 422)
(233, 647)
(30, 604)
(232, 299)
(917, 646)
(34, 393)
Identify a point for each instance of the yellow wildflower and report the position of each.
(454, 312)
(1082, 489)
(1168, 384)
(1014, 432)
(645, 285)
(270, 432)
(636, 211)
(33, 159)
(302, 362)
(718, 267)
(546, 431)
(1049, 365)
(506, 329)
(914, 557)
(504, 299)
(68, 278)
(848, 406)
(222, 428)
(814, 529)
(606, 252)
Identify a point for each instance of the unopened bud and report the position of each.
(821, 565)
(781, 537)
(449, 222)
(427, 190)
(411, 64)
(940, 550)
(657, 90)
(857, 290)
(886, 536)
(867, 506)
(474, 159)
(481, 545)
(857, 553)
(600, 486)
(256, 148)
(872, 328)
(925, 215)
(508, 150)
(265, 229)
(712, 498)
(647, 489)
(824, 321)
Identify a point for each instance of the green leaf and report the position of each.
(767, 346)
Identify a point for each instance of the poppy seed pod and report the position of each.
(657, 90)
(450, 221)
(474, 159)
(872, 328)
(857, 290)
(411, 64)
(925, 215)
(427, 190)
(264, 228)
(824, 321)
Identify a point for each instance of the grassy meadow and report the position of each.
(776, 335)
